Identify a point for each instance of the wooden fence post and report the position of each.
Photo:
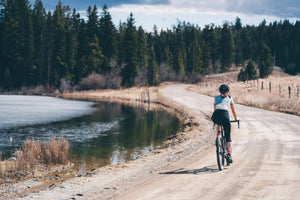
(279, 89)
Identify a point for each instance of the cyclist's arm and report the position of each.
(233, 112)
(215, 104)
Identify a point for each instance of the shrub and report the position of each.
(249, 73)
(265, 62)
(92, 81)
(34, 155)
(65, 85)
(113, 80)
(193, 78)
(56, 151)
(141, 78)
(31, 154)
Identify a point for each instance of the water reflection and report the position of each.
(135, 132)
(114, 133)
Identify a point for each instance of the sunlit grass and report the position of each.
(34, 157)
(251, 92)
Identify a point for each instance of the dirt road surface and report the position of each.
(266, 155)
(266, 162)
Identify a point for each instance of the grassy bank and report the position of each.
(37, 161)
(278, 92)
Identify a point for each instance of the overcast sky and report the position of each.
(164, 13)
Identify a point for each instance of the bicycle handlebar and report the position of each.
(237, 122)
(232, 122)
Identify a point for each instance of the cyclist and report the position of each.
(222, 104)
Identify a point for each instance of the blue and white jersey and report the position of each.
(223, 103)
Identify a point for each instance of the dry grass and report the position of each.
(251, 92)
(129, 94)
(135, 96)
(34, 157)
(56, 151)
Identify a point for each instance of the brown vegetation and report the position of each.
(271, 93)
(143, 94)
(33, 158)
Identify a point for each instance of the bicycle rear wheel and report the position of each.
(220, 152)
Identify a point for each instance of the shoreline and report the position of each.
(189, 124)
(111, 180)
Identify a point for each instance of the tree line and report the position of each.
(51, 48)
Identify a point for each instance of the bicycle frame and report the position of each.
(221, 146)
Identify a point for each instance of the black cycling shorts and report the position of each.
(221, 117)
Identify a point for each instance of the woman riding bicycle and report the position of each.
(223, 103)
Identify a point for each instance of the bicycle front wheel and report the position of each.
(220, 152)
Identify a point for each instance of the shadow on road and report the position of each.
(203, 170)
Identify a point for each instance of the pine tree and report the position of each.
(39, 25)
(142, 48)
(92, 23)
(238, 56)
(157, 45)
(251, 70)
(265, 62)
(129, 71)
(83, 47)
(49, 47)
(178, 60)
(194, 54)
(227, 48)
(247, 47)
(36, 48)
(59, 67)
(210, 55)
(120, 44)
(249, 73)
(93, 61)
(18, 43)
(2, 53)
(72, 31)
(73, 47)
(238, 24)
(152, 69)
(107, 36)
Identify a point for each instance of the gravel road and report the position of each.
(266, 162)
(266, 155)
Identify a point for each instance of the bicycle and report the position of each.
(221, 147)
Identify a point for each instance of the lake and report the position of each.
(99, 133)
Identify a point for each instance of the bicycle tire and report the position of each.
(220, 152)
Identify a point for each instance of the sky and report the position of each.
(166, 13)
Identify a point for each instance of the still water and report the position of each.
(99, 133)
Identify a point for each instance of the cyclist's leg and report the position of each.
(227, 130)
(218, 130)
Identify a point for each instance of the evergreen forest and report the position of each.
(55, 48)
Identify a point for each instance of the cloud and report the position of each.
(84, 4)
(203, 12)
(278, 8)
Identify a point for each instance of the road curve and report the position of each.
(266, 154)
